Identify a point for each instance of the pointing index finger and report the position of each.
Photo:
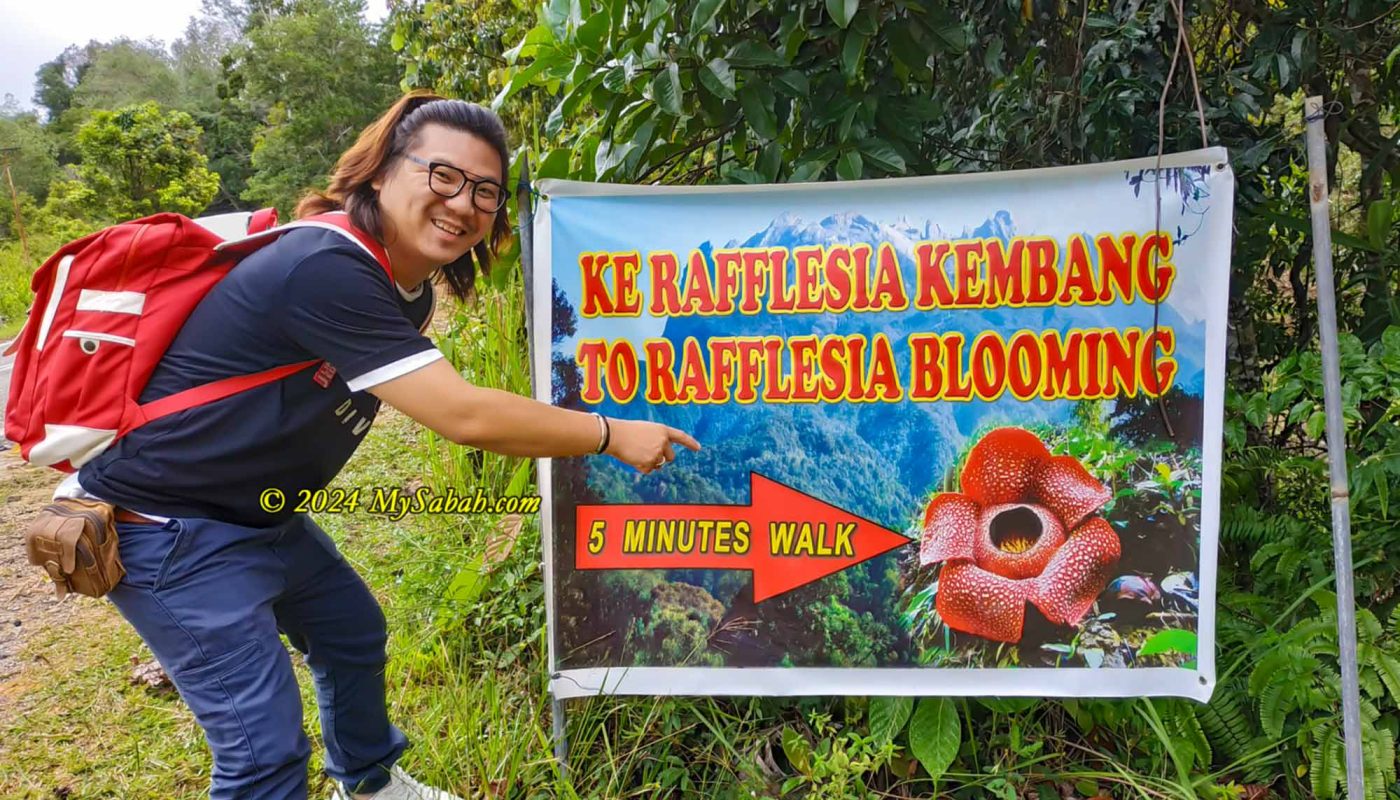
(683, 438)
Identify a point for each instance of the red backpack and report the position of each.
(106, 308)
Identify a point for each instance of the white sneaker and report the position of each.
(400, 787)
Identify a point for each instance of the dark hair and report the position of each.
(387, 139)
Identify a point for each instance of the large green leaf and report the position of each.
(905, 47)
(793, 84)
(888, 716)
(750, 53)
(521, 78)
(808, 171)
(615, 79)
(849, 166)
(883, 155)
(852, 53)
(593, 34)
(842, 11)
(797, 750)
(555, 165)
(666, 89)
(949, 37)
(935, 733)
(467, 584)
(718, 78)
(562, 16)
(525, 47)
(757, 102)
(704, 16)
(1378, 221)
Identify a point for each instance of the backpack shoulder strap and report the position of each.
(337, 221)
(212, 392)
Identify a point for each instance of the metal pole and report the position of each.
(527, 259)
(14, 199)
(523, 198)
(1313, 114)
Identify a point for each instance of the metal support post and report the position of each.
(1313, 114)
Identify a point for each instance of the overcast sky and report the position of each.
(34, 31)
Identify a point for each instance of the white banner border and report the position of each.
(1129, 682)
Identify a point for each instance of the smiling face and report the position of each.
(424, 229)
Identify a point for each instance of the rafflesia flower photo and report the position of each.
(1024, 529)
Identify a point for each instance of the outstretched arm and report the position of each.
(502, 422)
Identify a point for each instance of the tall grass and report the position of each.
(16, 272)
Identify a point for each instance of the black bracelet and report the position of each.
(607, 435)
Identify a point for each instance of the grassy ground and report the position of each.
(471, 700)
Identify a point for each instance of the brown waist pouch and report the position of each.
(75, 542)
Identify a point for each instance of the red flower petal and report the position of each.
(1067, 488)
(1001, 466)
(1077, 574)
(975, 601)
(950, 526)
(1002, 528)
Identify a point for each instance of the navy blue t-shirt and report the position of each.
(312, 294)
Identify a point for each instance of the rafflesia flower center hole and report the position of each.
(1016, 530)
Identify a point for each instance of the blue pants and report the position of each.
(210, 599)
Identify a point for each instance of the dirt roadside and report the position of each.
(27, 603)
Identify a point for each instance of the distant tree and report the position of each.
(197, 59)
(204, 59)
(124, 72)
(136, 161)
(55, 80)
(316, 73)
(34, 162)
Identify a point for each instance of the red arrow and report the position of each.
(786, 537)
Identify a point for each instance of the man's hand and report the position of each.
(646, 446)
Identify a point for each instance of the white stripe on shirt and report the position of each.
(397, 369)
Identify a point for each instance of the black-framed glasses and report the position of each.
(448, 181)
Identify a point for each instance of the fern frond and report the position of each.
(1188, 729)
(1268, 667)
(1325, 767)
(1372, 767)
(1368, 628)
(1388, 668)
(1227, 727)
(1275, 701)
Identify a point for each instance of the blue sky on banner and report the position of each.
(1057, 206)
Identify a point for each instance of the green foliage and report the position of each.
(836, 768)
(935, 732)
(126, 72)
(291, 58)
(33, 161)
(55, 81)
(459, 50)
(136, 161)
(15, 274)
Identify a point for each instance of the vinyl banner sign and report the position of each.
(961, 435)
